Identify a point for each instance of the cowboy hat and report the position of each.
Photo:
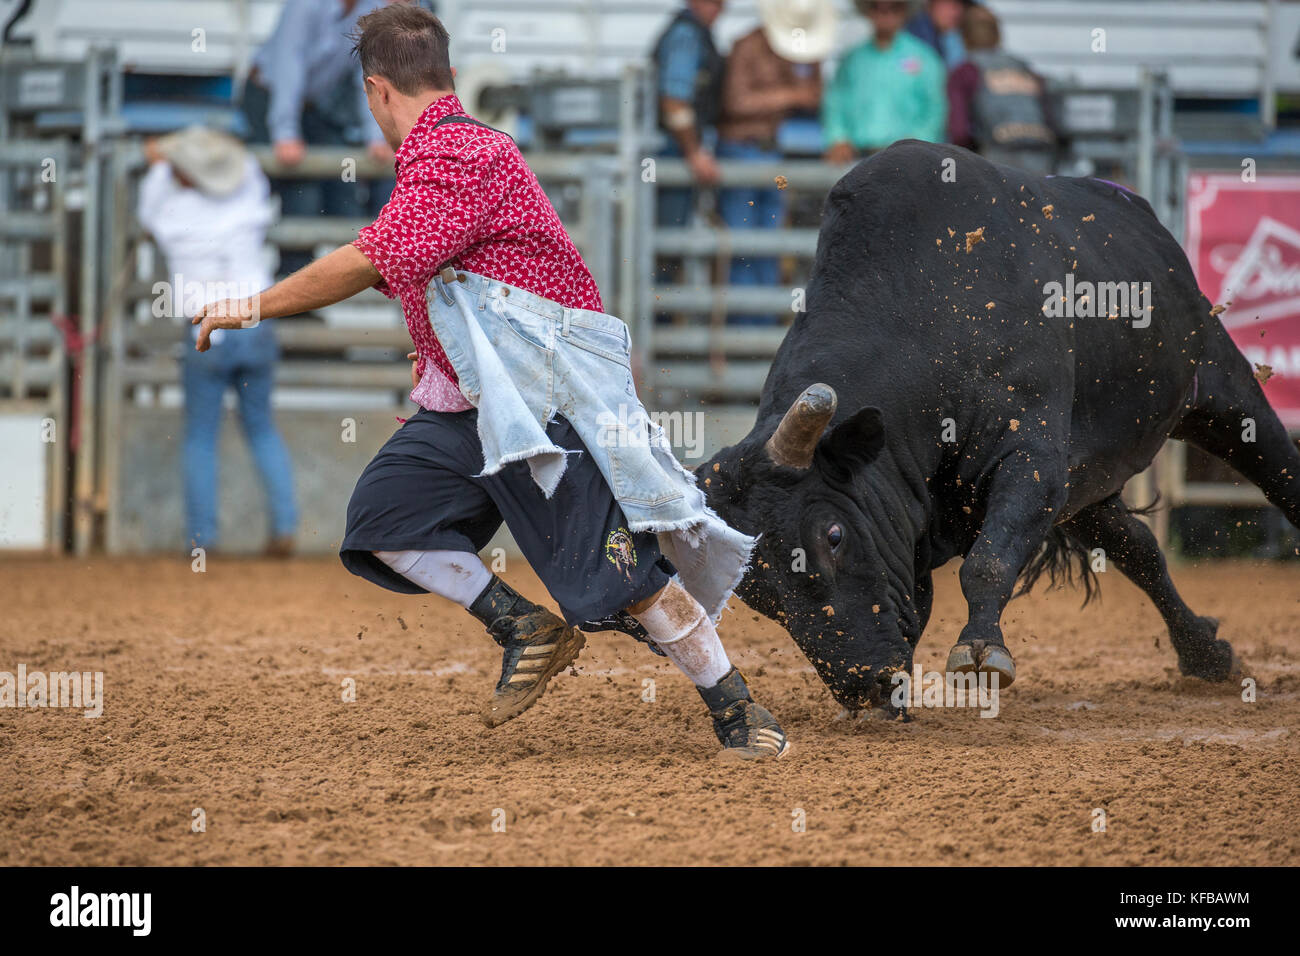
(213, 161)
(913, 6)
(802, 31)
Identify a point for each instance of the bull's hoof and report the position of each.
(1215, 663)
(986, 658)
(1202, 655)
(962, 659)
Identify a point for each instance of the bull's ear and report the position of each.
(853, 442)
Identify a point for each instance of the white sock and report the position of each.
(456, 575)
(679, 625)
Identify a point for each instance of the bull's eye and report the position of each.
(834, 535)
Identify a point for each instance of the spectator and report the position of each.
(206, 203)
(305, 90)
(889, 88)
(772, 73)
(689, 83)
(997, 104)
(939, 25)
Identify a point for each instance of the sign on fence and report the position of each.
(1243, 240)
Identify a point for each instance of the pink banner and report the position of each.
(1243, 240)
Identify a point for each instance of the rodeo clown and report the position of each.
(528, 411)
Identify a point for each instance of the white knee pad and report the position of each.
(399, 561)
(456, 575)
(674, 616)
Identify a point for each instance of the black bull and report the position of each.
(953, 389)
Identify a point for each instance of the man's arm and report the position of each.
(335, 277)
(283, 72)
(745, 95)
(676, 81)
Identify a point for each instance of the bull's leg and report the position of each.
(1229, 410)
(1025, 494)
(1129, 544)
(923, 591)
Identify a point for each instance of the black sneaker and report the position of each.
(746, 730)
(537, 645)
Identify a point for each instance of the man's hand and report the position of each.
(380, 152)
(415, 364)
(332, 278)
(841, 153)
(226, 314)
(289, 152)
(704, 167)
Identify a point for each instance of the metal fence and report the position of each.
(124, 356)
(55, 126)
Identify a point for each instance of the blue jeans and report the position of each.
(674, 205)
(244, 359)
(752, 207)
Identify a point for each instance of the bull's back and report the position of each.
(938, 267)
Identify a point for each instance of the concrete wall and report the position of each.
(147, 507)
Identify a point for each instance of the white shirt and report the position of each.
(213, 245)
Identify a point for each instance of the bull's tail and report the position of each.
(1067, 560)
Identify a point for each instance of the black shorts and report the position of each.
(420, 493)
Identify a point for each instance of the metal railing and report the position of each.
(67, 166)
(609, 207)
(33, 267)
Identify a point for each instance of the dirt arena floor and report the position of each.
(224, 691)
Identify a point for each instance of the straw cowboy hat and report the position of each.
(215, 162)
(802, 31)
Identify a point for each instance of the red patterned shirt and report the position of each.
(466, 198)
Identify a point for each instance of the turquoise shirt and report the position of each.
(879, 96)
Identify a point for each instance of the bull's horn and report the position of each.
(794, 440)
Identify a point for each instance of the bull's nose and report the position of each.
(885, 675)
(879, 691)
(877, 699)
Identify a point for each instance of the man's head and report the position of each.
(707, 11)
(887, 17)
(979, 29)
(404, 57)
(945, 14)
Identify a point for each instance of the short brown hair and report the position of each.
(979, 29)
(406, 45)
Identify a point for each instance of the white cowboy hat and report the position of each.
(802, 31)
(215, 162)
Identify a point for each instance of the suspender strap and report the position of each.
(457, 118)
(448, 274)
